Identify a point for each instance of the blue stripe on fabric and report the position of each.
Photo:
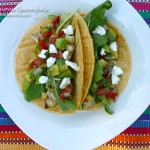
(3, 115)
(141, 124)
(144, 117)
(147, 20)
(6, 121)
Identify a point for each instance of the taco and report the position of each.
(49, 64)
(112, 59)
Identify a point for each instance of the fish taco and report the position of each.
(49, 64)
(109, 72)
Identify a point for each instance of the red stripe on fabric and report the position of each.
(9, 128)
(137, 131)
(141, 6)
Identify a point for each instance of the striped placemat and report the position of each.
(136, 137)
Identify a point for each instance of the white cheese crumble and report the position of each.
(100, 30)
(69, 30)
(42, 54)
(102, 52)
(72, 65)
(115, 79)
(117, 71)
(52, 49)
(69, 48)
(64, 83)
(43, 79)
(51, 61)
(65, 54)
(113, 46)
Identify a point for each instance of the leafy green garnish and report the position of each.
(68, 104)
(99, 40)
(51, 17)
(65, 19)
(25, 85)
(104, 102)
(98, 72)
(96, 16)
(33, 91)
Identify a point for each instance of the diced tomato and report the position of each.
(101, 92)
(85, 101)
(53, 55)
(52, 40)
(59, 54)
(56, 21)
(111, 94)
(61, 33)
(68, 90)
(36, 63)
(47, 34)
(42, 44)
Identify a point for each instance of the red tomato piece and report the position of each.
(42, 44)
(59, 54)
(52, 40)
(85, 101)
(61, 33)
(36, 63)
(47, 34)
(56, 21)
(67, 90)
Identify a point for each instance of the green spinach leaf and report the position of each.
(99, 40)
(96, 16)
(33, 91)
(65, 19)
(98, 73)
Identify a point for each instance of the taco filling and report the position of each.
(112, 59)
(52, 73)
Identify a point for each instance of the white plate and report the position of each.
(83, 130)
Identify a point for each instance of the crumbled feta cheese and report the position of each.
(102, 52)
(113, 46)
(34, 37)
(100, 30)
(51, 61)
(64, 83)
(115, 79)
(43, 79)
(69, 48)
(117, 71)
(42, 56)
(52, 49)
(72, 65)
(44, 51)
(65, 54)
(69, 30)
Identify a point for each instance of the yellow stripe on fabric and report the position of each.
(118, 148)
(21, 147)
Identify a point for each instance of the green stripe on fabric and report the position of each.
(145, 14)
(2, 17)
(1, 109)
(147, 111)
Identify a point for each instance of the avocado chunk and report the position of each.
(30, 76)
(115, 54)
(106, 47)
(61, 43)
(102, 63)
(63, 68)
(111, 35)
(54, 70)
(70, 39)
(65, 74)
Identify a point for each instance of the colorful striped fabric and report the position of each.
(136, 137)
